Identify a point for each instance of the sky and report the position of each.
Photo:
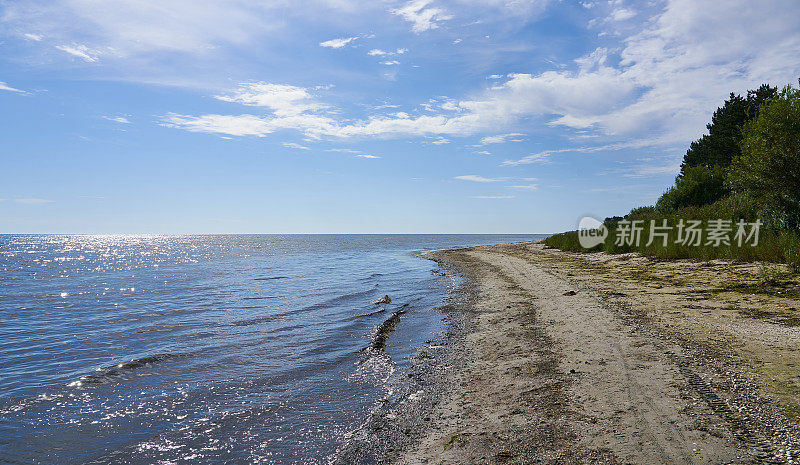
(344, 116)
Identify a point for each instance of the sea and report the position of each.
(245, 349)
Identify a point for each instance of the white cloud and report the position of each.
(476, 178)
(294, 145)
(284, 100)
(390, 63)
(502, 138)
(483, 152)
(33, 37)
(117, 119)
(242, 125)
(138, 27)
(382, 53)
(457, 41)
(540, 158)
(356, 153)
(658, 88)
(421, 17)
(4, 86)
(450, 105)
(526, 187)
(441, 141)
(337, 43)
(81, 51)
(621, 14)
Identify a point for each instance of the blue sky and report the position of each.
(342, 116)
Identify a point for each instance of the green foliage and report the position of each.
(769, 167)
(746, 168)
(697, 186)
(720, 146)
(641, 212)
(702, 179)
(778, 246)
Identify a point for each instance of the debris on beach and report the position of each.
(383, 300)
(570, 293)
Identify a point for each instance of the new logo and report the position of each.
(591, 232)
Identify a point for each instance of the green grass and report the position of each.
(778, 246)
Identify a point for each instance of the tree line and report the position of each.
(750, 155)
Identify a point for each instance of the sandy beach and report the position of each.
(558, 357)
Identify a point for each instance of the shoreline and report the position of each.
(632, 368)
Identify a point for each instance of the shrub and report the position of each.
(695, 186)
(769, 167)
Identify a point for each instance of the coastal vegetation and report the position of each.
(744, 174)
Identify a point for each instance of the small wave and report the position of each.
(107, 374)
(381, 310)
(270, 278)
(254, 321)
(335, 301)
(266, 297)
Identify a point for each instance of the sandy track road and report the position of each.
(547, 376)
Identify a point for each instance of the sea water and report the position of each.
(205, 349)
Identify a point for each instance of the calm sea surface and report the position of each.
(205, 349)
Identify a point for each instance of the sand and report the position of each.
(557, 357)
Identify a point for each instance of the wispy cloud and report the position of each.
(337, 43)
(502, 138)
(4, 86)
(621, 14)
(534, 158)
(422, 17)
(526, 187)
(33, 37)
(81, 51)
(117, 119)
(376, 52)
(294, 145)
(661, 84)
(356, 153)
(140, 27)
(477, 178)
